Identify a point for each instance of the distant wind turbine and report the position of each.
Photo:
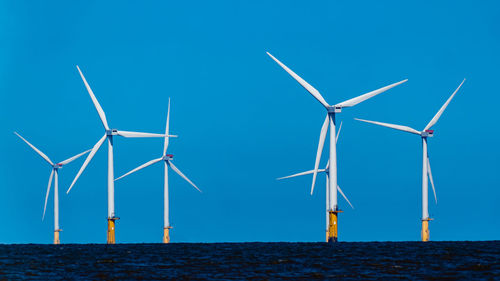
(426, 165)
(167, 162)
(54, 174)
(330, 121)
(326, 171)
(109, 133)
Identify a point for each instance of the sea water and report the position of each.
(200, 261)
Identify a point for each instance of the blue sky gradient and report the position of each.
(242, 121)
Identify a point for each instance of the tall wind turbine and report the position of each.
(326, 171)
(54, 174)
(108, 135)
(167, 162)
(426, 164)
(332, 110)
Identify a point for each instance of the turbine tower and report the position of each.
(332, 110)
(54, 174)
(108, 135)
(326, 171)
(167, 162)
(426, 165)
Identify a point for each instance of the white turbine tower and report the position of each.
(108, 135)
(325, 170)
(167, 162)
(426, 165)
(54, 174)
(330, 121)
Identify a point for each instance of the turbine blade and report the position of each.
(338, 133)
(94, 100)
(181, 174)
(165, 144)
(392, 126)
(358, 99)
(87, 161)
(343, 195)
(441, 110)
(301, 174)
(322, 137)
(36, 150)
(149, 163)
(129, 134)
(430, 177)
(47, 194)
(302, 82)
(69, 160)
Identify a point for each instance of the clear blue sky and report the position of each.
(243, 121)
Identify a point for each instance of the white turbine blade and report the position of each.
(430, 177)
(36, 150)
(441, 110)
(392, 126)
(302, 82)
(322, 137)
(129, 134)
(94, 100)
(358, 99)
(338, 133)
(301, 174)
(47, 194)
(69, 160)
(181, 174)
(165, 144)
(149, 163)
(345, 197)
(87, 160)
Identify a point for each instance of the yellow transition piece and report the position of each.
(111, 230)
(425, 234)
(56, 237)
(333, 226)
(166, 234)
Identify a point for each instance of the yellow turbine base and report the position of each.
(425, 234)
(333, 226)
(56, 237)
(111, 230)
(166, 234)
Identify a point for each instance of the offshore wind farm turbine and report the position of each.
(426, 164)
(108, 135)
(325, 170)
(332, 110)
(53, 175)
(167, 162)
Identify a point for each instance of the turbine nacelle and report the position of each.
(167, 157)
(111, 132)
(57, 166)
(334, 109)
(427, 133)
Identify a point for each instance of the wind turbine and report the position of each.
(54, 174)
(326, 171)
(332, 110)
(108, 135)
(426, 165)
(167, 162)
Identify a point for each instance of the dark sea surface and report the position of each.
(193, 261)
